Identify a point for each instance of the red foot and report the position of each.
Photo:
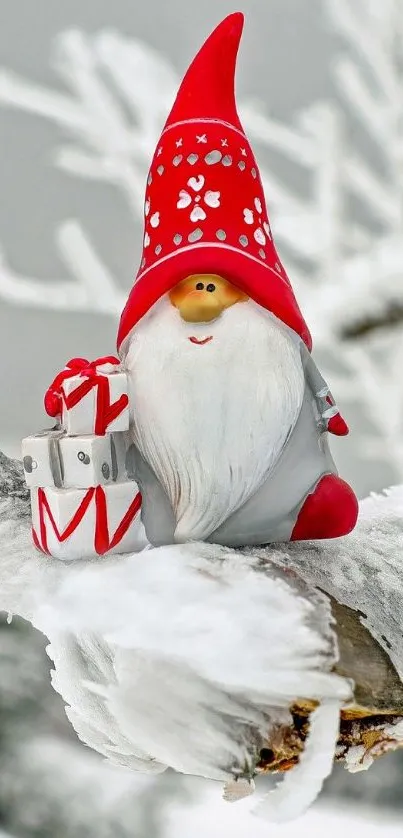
(330, 511)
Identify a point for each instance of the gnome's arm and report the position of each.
(329, 413)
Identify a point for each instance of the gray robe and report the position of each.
(271, 513)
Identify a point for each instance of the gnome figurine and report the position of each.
(229, 414)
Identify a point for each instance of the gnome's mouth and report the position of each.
(202, 341)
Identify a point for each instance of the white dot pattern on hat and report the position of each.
(200, 194)
(195, 235)
(213, 157)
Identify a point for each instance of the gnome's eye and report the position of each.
(199, 286)
(210, 287)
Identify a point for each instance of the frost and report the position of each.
(238, 789)
(386, 737)
(301, 786)
(184, 656)
(189, 656)
(357, 759)
(183, 670)
(362, 570)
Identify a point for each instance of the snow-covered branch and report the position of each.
(192, 656)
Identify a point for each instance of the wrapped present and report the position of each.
(51, 458)
(83, 523)
(41, 459)
(90, 398)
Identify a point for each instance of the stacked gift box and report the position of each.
(83, 504)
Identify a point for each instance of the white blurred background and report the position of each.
(84, 91)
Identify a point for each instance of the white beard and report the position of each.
(211, 420)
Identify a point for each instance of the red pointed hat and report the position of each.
(205, 209)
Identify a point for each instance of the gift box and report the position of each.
(41, 459)
(90, 398)
(73, 524)
(51, 458)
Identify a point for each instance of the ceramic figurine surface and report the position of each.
(229, 417)
(84, 523)
(229, 414)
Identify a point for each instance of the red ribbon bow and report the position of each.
(105, 411)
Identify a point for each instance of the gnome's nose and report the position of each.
(201, 305)
(203, 297)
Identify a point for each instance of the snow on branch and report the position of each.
(362, 571)
(192, 656)
(181, 656)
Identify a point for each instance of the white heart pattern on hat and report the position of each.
(259, 236)
(212, 199)
(155, 219)
(255, 217)
(198, 214)
(196, 183)
(184, 199)
(146, 240)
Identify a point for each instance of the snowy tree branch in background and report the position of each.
(346, 268)
(216, 661)
(114, 123)
(92, 289)
(109, 146)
